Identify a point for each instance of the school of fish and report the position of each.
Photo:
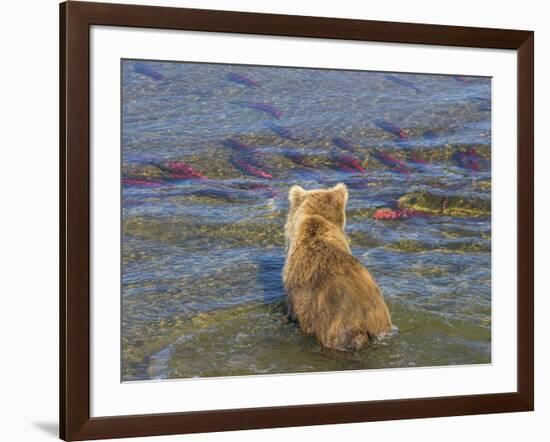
(247, 159)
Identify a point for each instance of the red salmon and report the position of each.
(182, 171)
(242, 79)
(392, 128)
(249, 168)
(392, 214)
(347, 162)
(389, 160)
(265, 107)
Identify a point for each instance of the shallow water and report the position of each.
(203, 248)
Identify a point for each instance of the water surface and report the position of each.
(209, 152)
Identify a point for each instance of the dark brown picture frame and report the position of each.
(75, 21)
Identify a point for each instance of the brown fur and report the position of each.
(330, 293)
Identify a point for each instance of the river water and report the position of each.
(208, 154)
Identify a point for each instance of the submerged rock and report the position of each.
(147, 172)
(391, 214)
(432, 204)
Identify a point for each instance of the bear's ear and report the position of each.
(342, 191)
(296, 195)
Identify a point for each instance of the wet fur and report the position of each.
(330, 293)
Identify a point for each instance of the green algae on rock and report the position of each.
(457, 206)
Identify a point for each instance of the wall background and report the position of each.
(29, 218)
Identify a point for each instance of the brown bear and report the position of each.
(330, 293)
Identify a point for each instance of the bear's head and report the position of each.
(327, 203)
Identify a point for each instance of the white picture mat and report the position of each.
(111, 397)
